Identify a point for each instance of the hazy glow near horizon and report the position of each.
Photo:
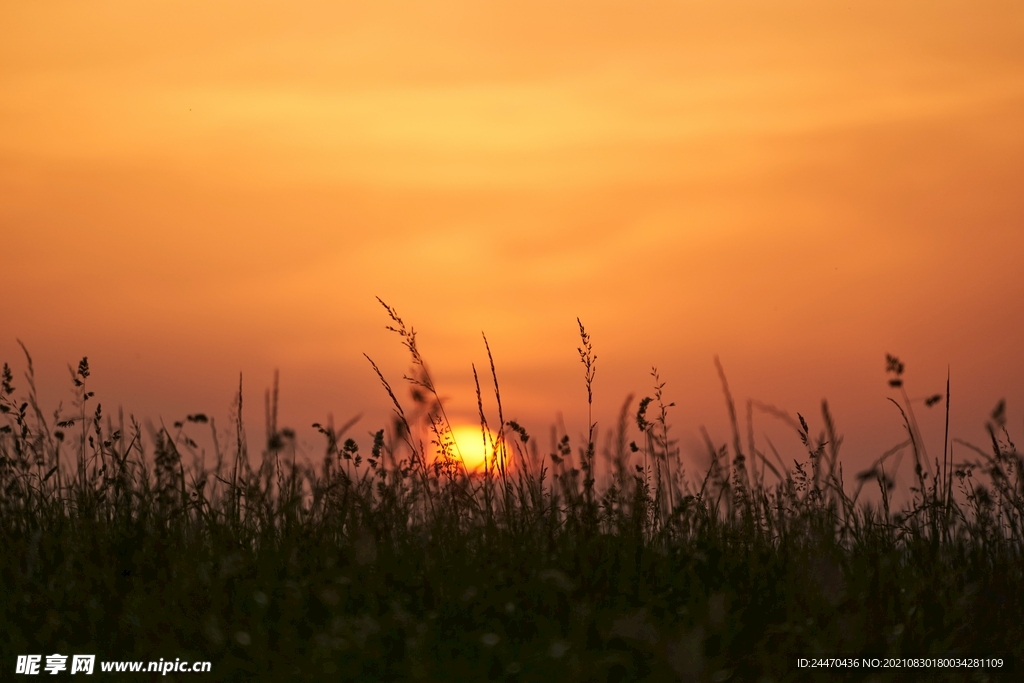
(191, 190)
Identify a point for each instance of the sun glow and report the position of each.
(470, 444)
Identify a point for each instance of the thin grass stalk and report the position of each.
(503, 451)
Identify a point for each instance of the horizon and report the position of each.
(263, 408)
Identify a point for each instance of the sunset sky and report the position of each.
(189, 190)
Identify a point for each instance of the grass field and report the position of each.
(389, 562)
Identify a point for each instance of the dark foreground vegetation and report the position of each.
(387, 562)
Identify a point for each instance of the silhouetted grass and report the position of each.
(398, 565)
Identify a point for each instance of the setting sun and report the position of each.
(470, 442)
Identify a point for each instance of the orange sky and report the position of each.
(193, 189)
